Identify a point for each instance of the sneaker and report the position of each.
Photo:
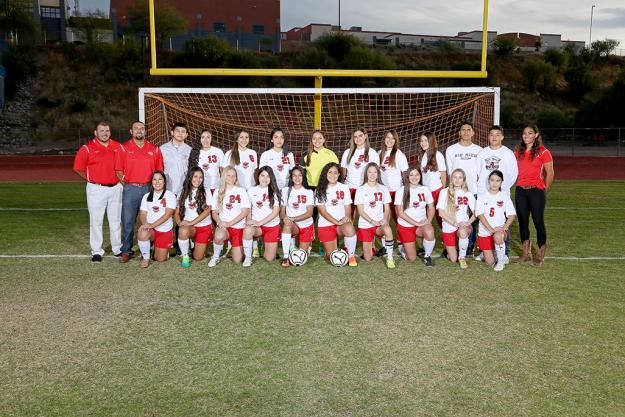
(186, 262)
(96, 258)
(499, 266)
(255, 254)
(463, 263)
(285, 263)
(117, 255)
(144, 263)
(352, 261)
(380, 252)
(247, 262)
(420, 252)
(212, 262)
(402, 252)
(506, 260)
(390, 263)
(124, 258)
(427, 261)
(480, 257)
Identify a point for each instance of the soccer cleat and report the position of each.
(255, 253)
(444, 253)
(285, 263)
(480, 257)
(124, 258)
(186, 262)
(506, 260)
(144, 263)
(247, 262)
(322, 252)
(352, 261)
(390, 263)
(212, 262)
(96, 258)
(463, 263)
(427, 261)
(499, 266)
(117, 255)
(402, 252)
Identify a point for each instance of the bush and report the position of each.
(559, 59)
(510, 115)
(552, 117)
(581, 80)
(19, 64)
(207, 52)
(504, 47)
(337, 44)
(539, 75)
(607, 108)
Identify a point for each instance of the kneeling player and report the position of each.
(296, 212)
(156, 210)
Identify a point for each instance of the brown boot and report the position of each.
(526, 252)
(540, 255)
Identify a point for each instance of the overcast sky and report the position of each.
(570, 18)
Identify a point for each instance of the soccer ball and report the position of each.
(298, 257)
(339, 258)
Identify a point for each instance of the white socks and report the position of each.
(247, 248)
(463, 245)
(388, 244)
(144, 247)
(428, 246)
(501, 252)
(286, 244)
(184, 247)
(217, 250)
(350, 243)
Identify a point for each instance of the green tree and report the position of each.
(604, 47)
(559, 59)
(167, 19)
(552, 117)
(605, 108)
(504, 46)
(338, 44)
(539, 75)
(90, 27)
(17, 21)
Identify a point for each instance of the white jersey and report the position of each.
(420, 197)
(157, 208)
(356, 166)
(463, 202)
(391, 175)
(280, 164)
(465, 158)
(337, 197)
(261, 208)
(373, 200)
(248, 162)
(501, 159)
(297, 202)
(432, 179)
(235, 200)
(190, 209)
(496, 208)
(210, 161)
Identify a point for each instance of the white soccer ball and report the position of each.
(339, 258)
(298, 257)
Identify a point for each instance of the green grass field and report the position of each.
(109, 339)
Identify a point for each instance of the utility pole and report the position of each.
(592, 9)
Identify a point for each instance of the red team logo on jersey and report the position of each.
(246, 164)
(372, 204)
(415, 204)
(334, 202)
(205, 167)
(280, 168)
(155, 209)
(259, 204)
(192, 206)
(295, 204)
(228, 206)
(500, 204)
(492, 163)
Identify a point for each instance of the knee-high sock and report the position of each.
(428, 246)
(184, 246)
(144, 247)
(501, 252)
(247, 248)
(217, 250)
(388, 244)
(286, 244)
(463, 244)
(350, 243)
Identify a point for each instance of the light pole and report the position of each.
(592, 9)
(339, 15)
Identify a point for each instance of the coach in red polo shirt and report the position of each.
(136, 160)
(95, 162)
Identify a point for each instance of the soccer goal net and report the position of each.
(408, 111)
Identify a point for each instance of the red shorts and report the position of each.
(326, 233)
(366, 234)
(450, 239)
(392, 198)
(352, 192)
(406, 234)
(486, 242)
(203, 234)
(235, 236)
(164, 240)
(435, 195)
(271, 234)
(307, 234)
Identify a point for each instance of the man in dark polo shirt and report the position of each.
(95, 162)
(136, 160)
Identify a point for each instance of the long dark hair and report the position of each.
(235, 158)
(285, 148)
(538, 142)
(353, 147)
(391, 157)
(194, 156)
(497, 173)
(311, 148)
(432, 164)
(322, 186)
(290, 185)
(187, 192)
(406, 180)
(151, 193)
(272, 188)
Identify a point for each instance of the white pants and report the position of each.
(99, 200)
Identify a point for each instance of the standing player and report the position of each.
(333, 200)
(533, 159)
(208, 158)
(373, 202)
(456, 206)
(415, 212)
(496, 213)
(317, 157)
(157, 208)
(230, 206)
(243, 159)
(393, 163)
(297, 209)
(176, 158)
(193, 216)
(95, 162)
(264, 219)
(278, 157)
(135, 162)
(433, 168)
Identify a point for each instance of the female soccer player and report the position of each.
(354, 160)
(208, 158)
(278, 157)
(393, 163)
(433, 168)
(193, 216)
(298, 203)
(415, 213)
(317, 157)
(264, 219)
(373, 203)
(496, 213)
(230, 206)
(533, 159)
(157, 207)
(243, 159)
(333, 200)
(456, 206)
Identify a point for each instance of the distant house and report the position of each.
(540, 43)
